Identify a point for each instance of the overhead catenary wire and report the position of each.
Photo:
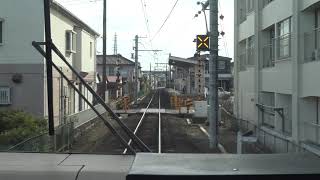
(146, 20)
(159, 30)
(225, 44)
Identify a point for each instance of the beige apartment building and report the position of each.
(277, 62)
(22, 68)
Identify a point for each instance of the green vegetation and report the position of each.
(16, 126)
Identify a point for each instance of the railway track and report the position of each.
(162, 133)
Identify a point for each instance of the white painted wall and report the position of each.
(310, 78)
(20, 29)
(246, 92)
(87, 61)
(246, 29)
(277, 79)
(59, 25)
(276, 11)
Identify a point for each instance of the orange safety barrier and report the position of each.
(126, 101)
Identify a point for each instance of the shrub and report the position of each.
(16, 126)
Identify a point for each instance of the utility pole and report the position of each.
(104, 58)
(150, 81)
(115, 46)
(136, 48)
(213, 88)
(136, 67)
(49, 65)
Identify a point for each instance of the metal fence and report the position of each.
(266, 140)
(61, 141)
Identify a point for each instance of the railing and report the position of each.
(268, 55)
(283, 46)
(61, 141)
(311, 133)
(268, 140)
(312, 46)
(242, 62)
(246, 59)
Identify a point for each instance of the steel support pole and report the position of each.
(111, 128)
(104, 58)
(100, 100)
(136, 67)
(213, 88)
(49, 65)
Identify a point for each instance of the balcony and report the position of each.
(312, 46)
(279, 49)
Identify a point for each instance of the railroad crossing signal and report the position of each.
(203, 42)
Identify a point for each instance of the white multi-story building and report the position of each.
(22, 68)
(277, 62)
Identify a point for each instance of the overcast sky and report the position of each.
(126, 18)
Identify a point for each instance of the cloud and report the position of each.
(126, 18)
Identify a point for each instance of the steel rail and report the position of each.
(139, 123)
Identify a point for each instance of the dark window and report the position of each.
(221, 65)
(70, 41)
(111, 71)
(1, 31)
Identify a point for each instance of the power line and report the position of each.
(143, 4)
(175, 4)
(224, 38)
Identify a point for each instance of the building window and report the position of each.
(250, 51)
(242, 11)
(1, 31)
(5, 96)
(221, 65)
(111, 71)
(283, 40)
(266, 109)
(70, 41)
(250, 5)
(269, 48)
(91, 49)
